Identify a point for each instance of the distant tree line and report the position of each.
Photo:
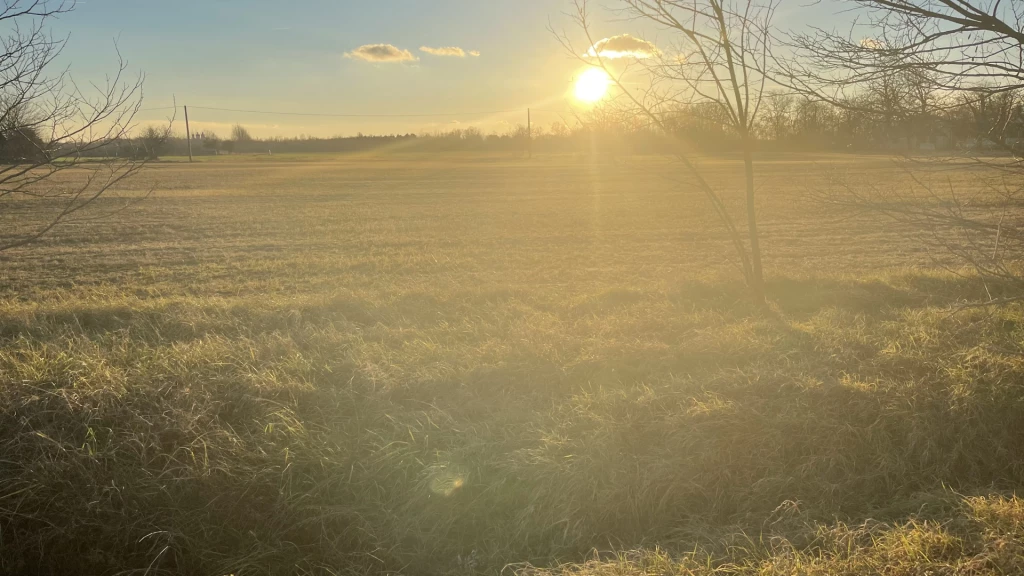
(895, 114)
(918, 121)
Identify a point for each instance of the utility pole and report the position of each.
(529, 135)
(188, 135)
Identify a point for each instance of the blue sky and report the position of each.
(288, 56)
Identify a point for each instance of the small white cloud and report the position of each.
(474, 53)
(872, 44)
(623, 46)
(453, 51)
(380, 53)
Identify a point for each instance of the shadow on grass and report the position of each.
(804, 297)
(277, 454)
(794, 298)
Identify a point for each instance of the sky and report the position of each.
(303, 56)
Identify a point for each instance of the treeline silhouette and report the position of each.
(881, 122)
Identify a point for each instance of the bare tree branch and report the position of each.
(62, 145)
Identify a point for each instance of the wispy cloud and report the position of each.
(623, 46)
(381, 53)
(453, 51)
(872, 44)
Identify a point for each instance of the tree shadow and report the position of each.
(800, 298)
(793, 298)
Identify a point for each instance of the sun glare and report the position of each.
(592, 85)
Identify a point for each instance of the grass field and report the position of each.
(425, 365)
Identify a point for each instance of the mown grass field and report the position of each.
(427, 365)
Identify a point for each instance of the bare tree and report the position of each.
(927, 67)
(957, 44)
(983, 231)
(775, 122)
(721, 48)
(61, 144)
(240, 133)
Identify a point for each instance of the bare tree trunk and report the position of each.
(719, 60)
(757, 275)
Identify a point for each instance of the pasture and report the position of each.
(426, 365)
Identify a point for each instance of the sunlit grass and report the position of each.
(418, 367)
(975, 535)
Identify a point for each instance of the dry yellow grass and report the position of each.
(448, 365)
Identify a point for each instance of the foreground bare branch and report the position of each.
(62, 145)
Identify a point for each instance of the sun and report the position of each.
(592, 85)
